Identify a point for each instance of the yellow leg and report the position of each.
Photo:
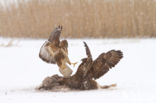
(63, 66)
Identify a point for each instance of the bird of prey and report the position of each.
(103, 63)
(55, 51)
(90, 70)
(87, 73)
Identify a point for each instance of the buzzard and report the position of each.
(88, 71)
(55, 51)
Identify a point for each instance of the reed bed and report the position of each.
(80, 18)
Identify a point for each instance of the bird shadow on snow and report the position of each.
(27, 89)
(63, 90)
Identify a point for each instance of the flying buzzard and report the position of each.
(55, 51)
(88, 71)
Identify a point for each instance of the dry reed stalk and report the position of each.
(80, 18)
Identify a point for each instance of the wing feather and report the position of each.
(55, 35)
(88, 53)
(53, 43)
(45, 55)
(113, 57)
(104, 62)
(86, 64)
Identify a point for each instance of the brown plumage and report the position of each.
(104, 62)
(55, 51)
(87, 71)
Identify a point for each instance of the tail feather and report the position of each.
(108, 86)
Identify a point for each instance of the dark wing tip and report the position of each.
(88, 53)
(120, 54)
(55, 34)
(85, 44)
(113, 57)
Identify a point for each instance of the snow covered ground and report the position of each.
(21, 71)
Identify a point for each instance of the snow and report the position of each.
(21, 71)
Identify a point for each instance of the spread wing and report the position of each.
(88, 53)
(86, 64)
(104, 62)
(55, 35)
(54, 39)
(45, 55)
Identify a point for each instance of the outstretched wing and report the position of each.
(88, 53)
(45, 55)
(55, 35)
(104, 62)
(86, 64)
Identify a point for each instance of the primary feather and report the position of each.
(104, 62)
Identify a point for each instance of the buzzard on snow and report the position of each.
(87, 73)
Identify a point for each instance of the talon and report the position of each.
(113, 85)
(74, 64)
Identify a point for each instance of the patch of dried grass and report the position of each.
(80, 18)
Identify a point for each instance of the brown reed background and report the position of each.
(80, 18)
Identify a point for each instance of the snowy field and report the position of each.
(21, 71)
